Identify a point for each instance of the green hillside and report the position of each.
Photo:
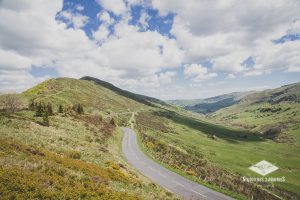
(64, 154)
(266, 127)
(274, 113)
(93, 96)
(68, 149)
(137, 97)
(212, 104)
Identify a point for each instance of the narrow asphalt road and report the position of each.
(160, 175)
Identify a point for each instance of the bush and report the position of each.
(78, 108)
(49, 109)
(60, 109)
(112, 122)
(39, 109)
(272, 132)
(46, 120)
(10, 102)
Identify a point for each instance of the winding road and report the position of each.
(171, 181)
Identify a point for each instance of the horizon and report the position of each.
(167, 50)
(258, 90)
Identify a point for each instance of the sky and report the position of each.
(170, 49)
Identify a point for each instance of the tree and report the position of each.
(60, 109)
(46, 119)
(39, 110)
(31, 105)
(49, 109)
(10, 102)
(79, 109)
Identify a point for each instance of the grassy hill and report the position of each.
(82, 151)
(137, 97)
(212, 104)
(261, 126)
(73, 156)
(276, 110)
(91, 95)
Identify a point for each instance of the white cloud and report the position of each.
(143, 21)
(295, 27)
(75, 19)
(79, 7)
(118, 7)
(197, 72)
(228, 32)
(105, 18)
(101, 34)
(11, 61)
(293, 69)
(231, 76)
(30, 35)
(225, 35)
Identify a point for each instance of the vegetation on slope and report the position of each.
(212, 104)
(150, 101)
(94, 97)
(274, 113)
(75, 155)
(218, 156)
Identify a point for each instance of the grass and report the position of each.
(184, 174)
(93, 97)
(230, 150)
(71, 154)
(84, 152)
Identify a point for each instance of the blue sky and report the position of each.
(165, 49)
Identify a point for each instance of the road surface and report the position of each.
(160, 175)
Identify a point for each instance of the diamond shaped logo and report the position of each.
(263, 168)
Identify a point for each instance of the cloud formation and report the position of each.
(138, 56)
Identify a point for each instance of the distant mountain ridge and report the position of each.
(286, 93)
(211, 104)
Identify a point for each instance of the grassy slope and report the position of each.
(230, 150)
(62, 153)
(67, 91)
(210, 104)
(263, 109)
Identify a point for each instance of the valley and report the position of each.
(81, 148)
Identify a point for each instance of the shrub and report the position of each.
(49, 109)
(60, 109)
(40, 109)
(31, 106)
(46, 120)
(78, 108)
(272, 132)
(112, 122)
(10, 102)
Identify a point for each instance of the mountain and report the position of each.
(212, 104)
(78, 156)
(91, 93)
(273, 110)
(66, 153)
(137, 97)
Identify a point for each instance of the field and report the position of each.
(229, 149)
